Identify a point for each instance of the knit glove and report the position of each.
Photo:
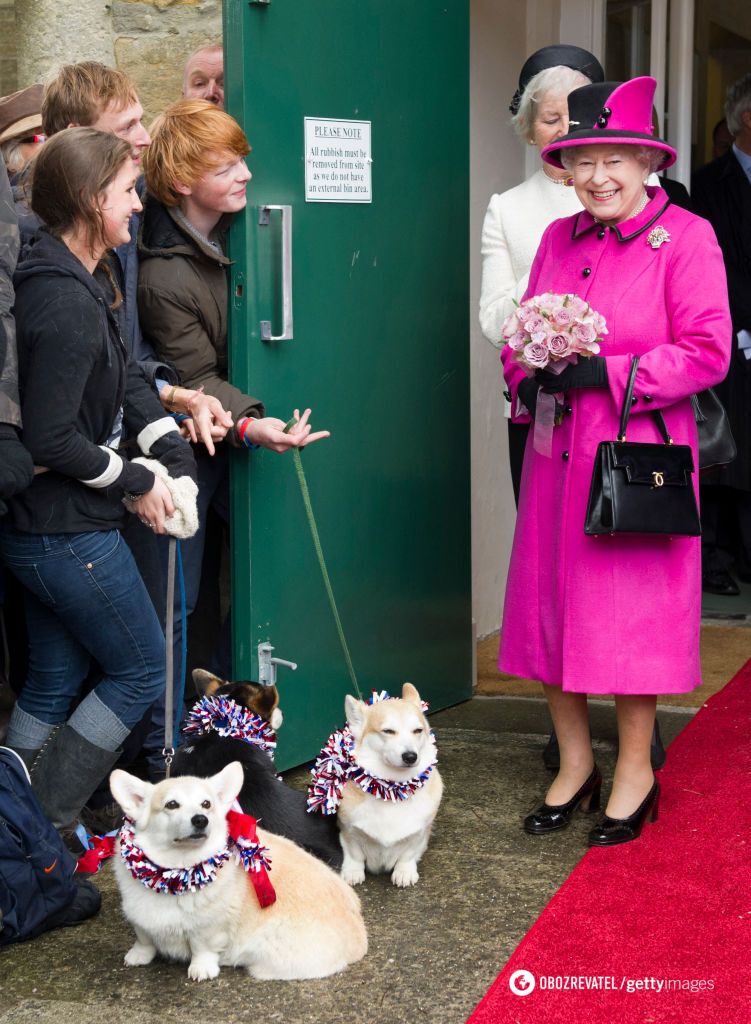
(184, 492)
(16, 465)
(588, 372)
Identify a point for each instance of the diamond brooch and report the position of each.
(657, 236)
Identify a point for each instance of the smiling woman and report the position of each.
(609, 181)
(85, 599)
(196, 180)
(613, 614)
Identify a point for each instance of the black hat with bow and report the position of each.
(558, 55)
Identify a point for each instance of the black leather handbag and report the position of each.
(641, 487)
(716, 442)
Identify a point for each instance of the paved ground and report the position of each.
(434, 949)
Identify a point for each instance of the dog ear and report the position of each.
(410, 694)
(228, 783)
(133, 795)
(355, 712)
(207, 682)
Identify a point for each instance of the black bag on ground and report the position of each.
(642, 488)
(38, 888)
(716, 441)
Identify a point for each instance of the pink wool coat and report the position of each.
(616, 614)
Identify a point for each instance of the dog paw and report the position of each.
(139, 955)
(405, 875)
(353, 874)
(203, 970)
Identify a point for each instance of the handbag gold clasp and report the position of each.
(658, 479)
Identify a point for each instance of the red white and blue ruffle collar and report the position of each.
(242, 844)
(336, 765)
(228, 718)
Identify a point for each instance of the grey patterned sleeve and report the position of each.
(10, 410)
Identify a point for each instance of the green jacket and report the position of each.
(182, 306)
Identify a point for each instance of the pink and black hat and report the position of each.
(613, 113)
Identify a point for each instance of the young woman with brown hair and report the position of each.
(84, 597)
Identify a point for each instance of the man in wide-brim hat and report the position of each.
(20, 127)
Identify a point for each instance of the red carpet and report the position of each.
(672, 907)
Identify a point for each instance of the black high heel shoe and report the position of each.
(552, 818)
(612, 831)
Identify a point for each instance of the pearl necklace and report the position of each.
(568, 180)
(639, 209)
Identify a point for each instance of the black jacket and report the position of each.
(75, 377)
(721, 192)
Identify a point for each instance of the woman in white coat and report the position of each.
(516, 219)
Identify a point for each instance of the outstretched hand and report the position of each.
(269, 432)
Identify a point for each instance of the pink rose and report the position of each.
(577, 305)
(559, 345)
(536, 355)
(548, 302)
(563, 316)
(584, 334)
(524, 313)
(518, 340)
(535, 325)
(510, 325)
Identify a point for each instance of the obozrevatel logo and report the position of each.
(522, 983)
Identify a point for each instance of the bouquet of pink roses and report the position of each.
(552, 328)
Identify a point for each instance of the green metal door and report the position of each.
(379, 349)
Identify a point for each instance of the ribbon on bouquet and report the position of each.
(546, 412)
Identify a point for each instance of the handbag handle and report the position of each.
(627, 403)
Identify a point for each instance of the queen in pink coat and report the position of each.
(612, 614)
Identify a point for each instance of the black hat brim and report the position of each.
(606, 136)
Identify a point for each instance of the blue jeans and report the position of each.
(85, 600)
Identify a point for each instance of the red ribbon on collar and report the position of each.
(103, 847)
(243, 826)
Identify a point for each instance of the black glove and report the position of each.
(527, 390)
(16, 465)
(176, 455)
(584, 373)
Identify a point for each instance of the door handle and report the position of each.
(267, 664)
(264, 216)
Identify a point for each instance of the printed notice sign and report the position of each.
(337, 161)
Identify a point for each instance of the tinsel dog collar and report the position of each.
(336, 765)
(242, 844)
(228, 718)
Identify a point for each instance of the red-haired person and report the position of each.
(196, 182)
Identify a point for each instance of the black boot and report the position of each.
(27, 756)
(67, 771)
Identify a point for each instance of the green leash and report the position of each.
(321, 560)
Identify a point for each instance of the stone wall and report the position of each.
(153, 38)
(150, 39)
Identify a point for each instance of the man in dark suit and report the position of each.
(721, 192)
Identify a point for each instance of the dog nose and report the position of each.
(199, 822)
(409, 757)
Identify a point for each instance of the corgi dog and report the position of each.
(265, 796)
(176, 835)
(392, 743)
